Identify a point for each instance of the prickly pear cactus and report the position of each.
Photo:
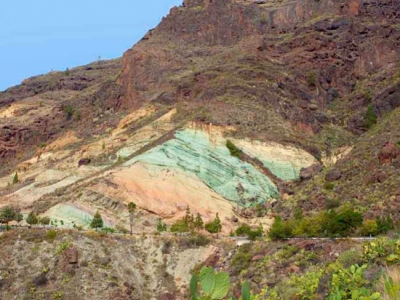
(221, 287)
(246, 295)
(207, 280)
(213, 285)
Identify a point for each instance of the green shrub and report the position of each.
(329, 186)
(384, 224)
(107, 230)
(198, 240)
(246, 230)
(51, 234)
(214, 226)
(329, 223)
(97, 221)
(233, 150)
(279, 230)
(194, 240)
(243, 230)
(32, 219)
(341, 224)
(369, 228)
(350, 257)
(370, 118)
(15, 178)
(311, 78)
(121, 229)
(9, 213)
(331, 203)
(349, 283)
(298, 214)
(179, 226)
(161, 226)
(305, 286)
(78, 115)
(44, 221)
(240, 261)
(188, 223)
(68, 111)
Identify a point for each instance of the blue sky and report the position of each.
(38, 36)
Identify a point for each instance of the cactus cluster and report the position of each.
(214, 285)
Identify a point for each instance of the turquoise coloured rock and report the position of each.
(193, 151)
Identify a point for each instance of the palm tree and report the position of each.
(131, 209)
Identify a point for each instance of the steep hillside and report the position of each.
(40, 264)
(291, 86)
(240, 109)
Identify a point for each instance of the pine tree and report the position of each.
(370, 117)
(214, 226)
(32, 219)
(131, 210)
(45, 221)
(161, 226)
(189, 220)
(15, 179)
(8, 214)
(97, 221)
(198, 222)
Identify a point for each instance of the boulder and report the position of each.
(257, 257)
(333, 175)
(311, 171)
(71, 255)
(84, 161)
(389, 151)
(212, 260)
(39, 280)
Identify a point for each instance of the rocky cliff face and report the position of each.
(295, 58)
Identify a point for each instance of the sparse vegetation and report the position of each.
(214, 226)
(161, 226)
(233, 150)
(370, 118)
(9, 213)
(97, 221)
(311, 78)
(32, 219)
(246, 230)
(131, 210)
(332, 223)
(15, 178)
(188, 223)
(68, 111)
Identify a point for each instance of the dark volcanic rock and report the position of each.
(84, 161)
(333, 175)
(311, 171)
(71, 255)
(39, 280)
